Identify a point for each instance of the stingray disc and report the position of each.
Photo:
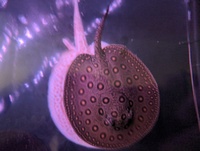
(111, 106)
(111, 98)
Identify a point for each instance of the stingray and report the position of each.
(107, 97)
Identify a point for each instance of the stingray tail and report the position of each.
(97, 40)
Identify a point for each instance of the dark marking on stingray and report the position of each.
(116, 94)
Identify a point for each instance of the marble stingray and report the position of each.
(101, 97)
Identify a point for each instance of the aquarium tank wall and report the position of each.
(99, 75)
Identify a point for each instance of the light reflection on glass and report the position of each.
(3, 48)
(113, 6)
(26, 85)
(23, 19)
(93, 25)
(3, 3)
(36, 27)
(2, 104)
(61, 3)
(1, 57)
(44, 21)
(11, 98)
(20, 41)
(29, 30)
(28, 34)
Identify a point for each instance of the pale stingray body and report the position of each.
(102, 98)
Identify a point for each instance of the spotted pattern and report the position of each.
(112, 101)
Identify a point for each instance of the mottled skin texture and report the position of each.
(111, 98)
